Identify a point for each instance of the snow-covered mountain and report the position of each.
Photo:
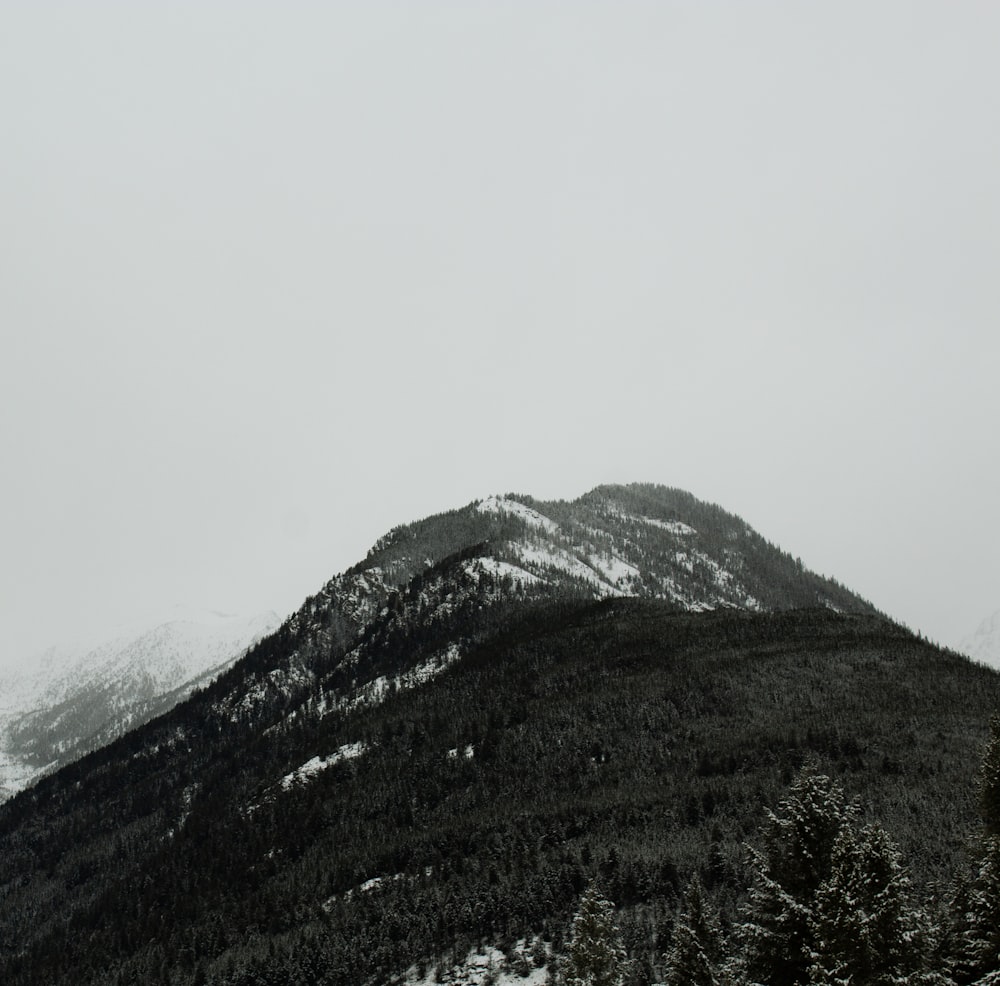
(984, 644)
(76, 698)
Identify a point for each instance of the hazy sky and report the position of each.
(275, 278)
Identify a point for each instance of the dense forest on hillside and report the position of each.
(623, 741)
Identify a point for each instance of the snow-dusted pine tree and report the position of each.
(982, 918)
(595, 955)
(866, 929)
(989, 782)
(984, 938)
(696, 954)
(778, 935)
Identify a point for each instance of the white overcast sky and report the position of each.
(276, 277)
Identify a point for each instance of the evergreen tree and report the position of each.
(696, 954)
(989, 782)
(779, 934)
(981, 917)
(595, 955)
(865, 929)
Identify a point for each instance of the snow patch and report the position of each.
(613, 568)
(375, 691)
(673, 526)
(722, 577)
(305, 773)
(543, 557)
(368, 886)
(488, 965)
(499, 569)
(503, 505)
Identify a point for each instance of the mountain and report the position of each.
(441, 747)
(78, 698)
(984, 644)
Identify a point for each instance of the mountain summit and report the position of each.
(638, 540)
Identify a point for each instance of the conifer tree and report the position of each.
(866, 931)
(981, 919)
(696, 954)
(984, 926)
(778, 936)
(595, 955)
(989, 783)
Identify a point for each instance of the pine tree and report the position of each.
(595, 955)
(985, 907)
(989, 782)
(981, 919)
(866, 931)
(697, 950)
(778, 936)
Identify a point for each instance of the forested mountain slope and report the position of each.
(450, 739)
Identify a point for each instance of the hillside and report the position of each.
(444, 744)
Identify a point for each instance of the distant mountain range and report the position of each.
(984, 644)
(75, 699)
(433, 756)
